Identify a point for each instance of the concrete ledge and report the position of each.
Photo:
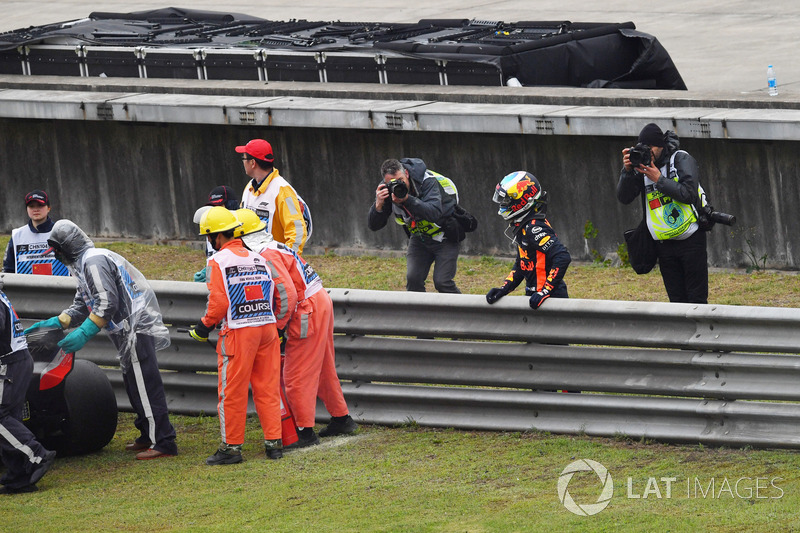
(397, 115)
(451, 93)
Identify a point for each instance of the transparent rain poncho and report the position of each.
(111, 288)
(257, 241)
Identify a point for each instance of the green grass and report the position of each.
(405, 479)
(478, 275)
(420, 479)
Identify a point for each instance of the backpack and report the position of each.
(461, 222)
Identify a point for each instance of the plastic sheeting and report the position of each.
(432, 51)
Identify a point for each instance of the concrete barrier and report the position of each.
(123, 159)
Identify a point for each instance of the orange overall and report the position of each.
(310, 368)
(285, 299)
(248, 352)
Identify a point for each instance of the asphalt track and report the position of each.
(721, 49)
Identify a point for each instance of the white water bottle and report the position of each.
(772, 85)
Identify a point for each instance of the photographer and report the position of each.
(667, 180)
(412, 194)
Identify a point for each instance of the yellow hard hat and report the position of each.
(250, 222)
(218, 219)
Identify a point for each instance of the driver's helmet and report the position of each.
(518, 194)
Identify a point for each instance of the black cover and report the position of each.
(451, 51)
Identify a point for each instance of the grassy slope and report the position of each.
(409, 478)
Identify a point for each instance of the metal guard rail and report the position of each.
(688, 373)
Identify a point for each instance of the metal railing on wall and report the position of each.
(722, 375)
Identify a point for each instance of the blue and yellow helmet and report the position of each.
(519, 193)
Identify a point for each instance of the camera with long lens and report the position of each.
(398, 188)
(640, 155)
(707, 217)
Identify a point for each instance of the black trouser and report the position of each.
(419, 258)
(146, 393)
(19, 449)
(684, 268)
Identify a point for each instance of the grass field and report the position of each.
(411, 479)
(420, 479)
(478, 275)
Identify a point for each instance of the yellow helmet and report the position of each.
(250, 222)
(218, 219)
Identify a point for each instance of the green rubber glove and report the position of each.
(51, 322)
(78, 337)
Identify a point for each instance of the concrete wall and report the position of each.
(135, 158)
(145, 180)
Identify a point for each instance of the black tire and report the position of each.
(91, 409)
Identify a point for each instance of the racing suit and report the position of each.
(248, 348)
(423, 215)
(542, 261)
(19, 450)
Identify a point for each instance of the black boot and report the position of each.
(340, 425)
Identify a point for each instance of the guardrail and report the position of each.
(669, 372)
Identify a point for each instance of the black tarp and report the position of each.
(477, 52)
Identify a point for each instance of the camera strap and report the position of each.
(700, 201)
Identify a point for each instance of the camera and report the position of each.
(707, 217)
(398, 188)
(640, 155)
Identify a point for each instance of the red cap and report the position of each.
(258, 148)
(37, 196)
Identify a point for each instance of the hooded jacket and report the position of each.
(110, 288)
(427, 203)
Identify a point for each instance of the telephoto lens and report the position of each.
(722, 218)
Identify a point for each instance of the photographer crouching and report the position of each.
(413, 195)
(674, 209)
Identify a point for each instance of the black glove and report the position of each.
(200, 332)
(537, 298)
(495, 294)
